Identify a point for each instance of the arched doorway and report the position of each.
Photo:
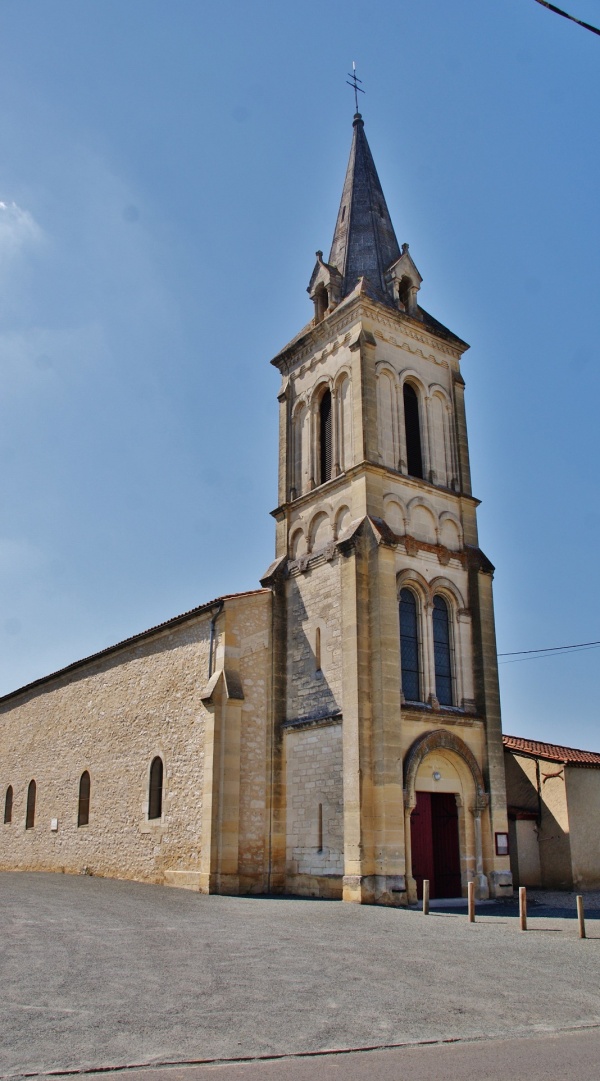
(435, 844)
(444, 798)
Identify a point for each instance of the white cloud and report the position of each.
(18, 231)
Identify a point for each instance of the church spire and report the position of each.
(364, 242)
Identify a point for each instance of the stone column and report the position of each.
(481, 882)
(411, 883)
(388, 884)
(356, 728)
(461, 434)
(488, 702)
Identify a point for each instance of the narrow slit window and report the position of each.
(409, 646)
(8, 802)
(442, 651)
(156, 789)
(325, 437)
(318, 649)
(320, 828)
(412, 427)
(30, 812)
(83, 809)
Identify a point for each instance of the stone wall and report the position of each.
(315, 830)
(313, 604)
(112, 716)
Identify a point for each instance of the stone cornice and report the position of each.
(296, 723)
(331, 486)
(321, 336)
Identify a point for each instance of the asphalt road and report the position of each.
(572, 1055)
(104, 974)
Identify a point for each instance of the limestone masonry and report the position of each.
(336, 732)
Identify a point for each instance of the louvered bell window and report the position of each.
(325, 437)
(412, 426)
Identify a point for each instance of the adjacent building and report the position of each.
(553, 796)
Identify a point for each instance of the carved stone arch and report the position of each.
(341, 519)
(447, 516)
(297, 543)
(419, 501)
(314, 396)
(299, 404)
(344, 373)
(452, 517)
(318, 526)
(409, 375)
(413, 505)
(391, 499)
(384, 367)
(445, 585)
(437, 388)
(407, 578)
(441, 740)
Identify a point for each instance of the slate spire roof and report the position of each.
(364, 242)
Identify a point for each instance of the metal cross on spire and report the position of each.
(354, 84)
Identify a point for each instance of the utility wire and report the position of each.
(565, 15)
(551, 651)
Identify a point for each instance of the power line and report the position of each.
(566, 15)
(551, 651)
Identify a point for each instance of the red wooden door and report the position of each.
(435, 844)
(421, 846)
(446, 849)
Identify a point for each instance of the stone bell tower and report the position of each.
(388, 764)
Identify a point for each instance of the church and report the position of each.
(336, 732)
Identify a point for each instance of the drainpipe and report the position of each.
(539, 792)
(212, 637)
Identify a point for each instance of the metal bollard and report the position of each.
(522, 908)
(471, 901)
(425, 896)
(580, 916)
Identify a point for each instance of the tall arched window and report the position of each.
(156, 789)
(409, 646)
(83, 809)
(30, 813)
(325, 437)
(8, 804)
(412, 427)
(442, 652)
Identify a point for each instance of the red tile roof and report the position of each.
(173, 622)
(553, 752)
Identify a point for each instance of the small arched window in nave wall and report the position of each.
(30, 813)
(8, 803)
(83, 809)
(155, 794)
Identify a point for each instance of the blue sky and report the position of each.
(168, 172)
